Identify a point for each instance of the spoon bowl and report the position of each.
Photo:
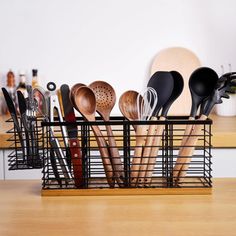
(128, 105)
(202, 83)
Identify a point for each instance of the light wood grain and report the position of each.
(25, 212)
(185, 62)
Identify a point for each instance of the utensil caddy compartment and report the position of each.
(161, 179)
(23, 157)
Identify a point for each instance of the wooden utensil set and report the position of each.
(152, 104)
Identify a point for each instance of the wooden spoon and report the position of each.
(129, 108)
(128, 105)
(85, 103)
(73, 90)
(105, 100)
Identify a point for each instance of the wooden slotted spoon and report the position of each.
(105, 101)
(85, 103)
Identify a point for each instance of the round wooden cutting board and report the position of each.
(185, 62)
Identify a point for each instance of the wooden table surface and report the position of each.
(24, 212)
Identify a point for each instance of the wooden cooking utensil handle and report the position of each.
(147, 152)
(115, 160)
(188, 151)
(178, 163)
(136, 161)
(104, 154)
(76, 159)
(154, 152)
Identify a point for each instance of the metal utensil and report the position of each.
(146, 104)
(75, 152)
(22, 108)
(44, 112)
(163, 83)
(177, 90)
(12, 110)
(54, 105)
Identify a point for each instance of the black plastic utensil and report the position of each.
(12, 110)
(215, 98)
(25, 122)
(163, 83)
(177, 90)
(202, 83)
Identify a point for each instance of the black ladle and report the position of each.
(202, 83)
(219, 92)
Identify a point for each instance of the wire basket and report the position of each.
(26, 153)
(157, 170)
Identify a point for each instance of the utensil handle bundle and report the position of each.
(116, 159)
(104, 154)
(178, 164)
(152, 129)
(186, 153)
(154, 153)
(137, 158)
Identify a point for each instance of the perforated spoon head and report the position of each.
(105, 98)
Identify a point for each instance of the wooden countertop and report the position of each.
(25, 212)
(223, 130)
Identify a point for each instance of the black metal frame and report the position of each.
(17, 159)
(198, 175)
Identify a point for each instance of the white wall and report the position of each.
(73, 41)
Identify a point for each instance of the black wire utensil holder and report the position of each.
(58, 170)
(25, 146)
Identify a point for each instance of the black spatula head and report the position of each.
(163, 83)
(22, 102)
(177, 90)
(202, 83)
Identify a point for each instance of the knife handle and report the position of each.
(77, 163)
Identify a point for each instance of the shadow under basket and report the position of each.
(147, 167)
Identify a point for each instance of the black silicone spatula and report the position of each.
(177, 90)
(162, 82)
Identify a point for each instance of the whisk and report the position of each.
(146, 103)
